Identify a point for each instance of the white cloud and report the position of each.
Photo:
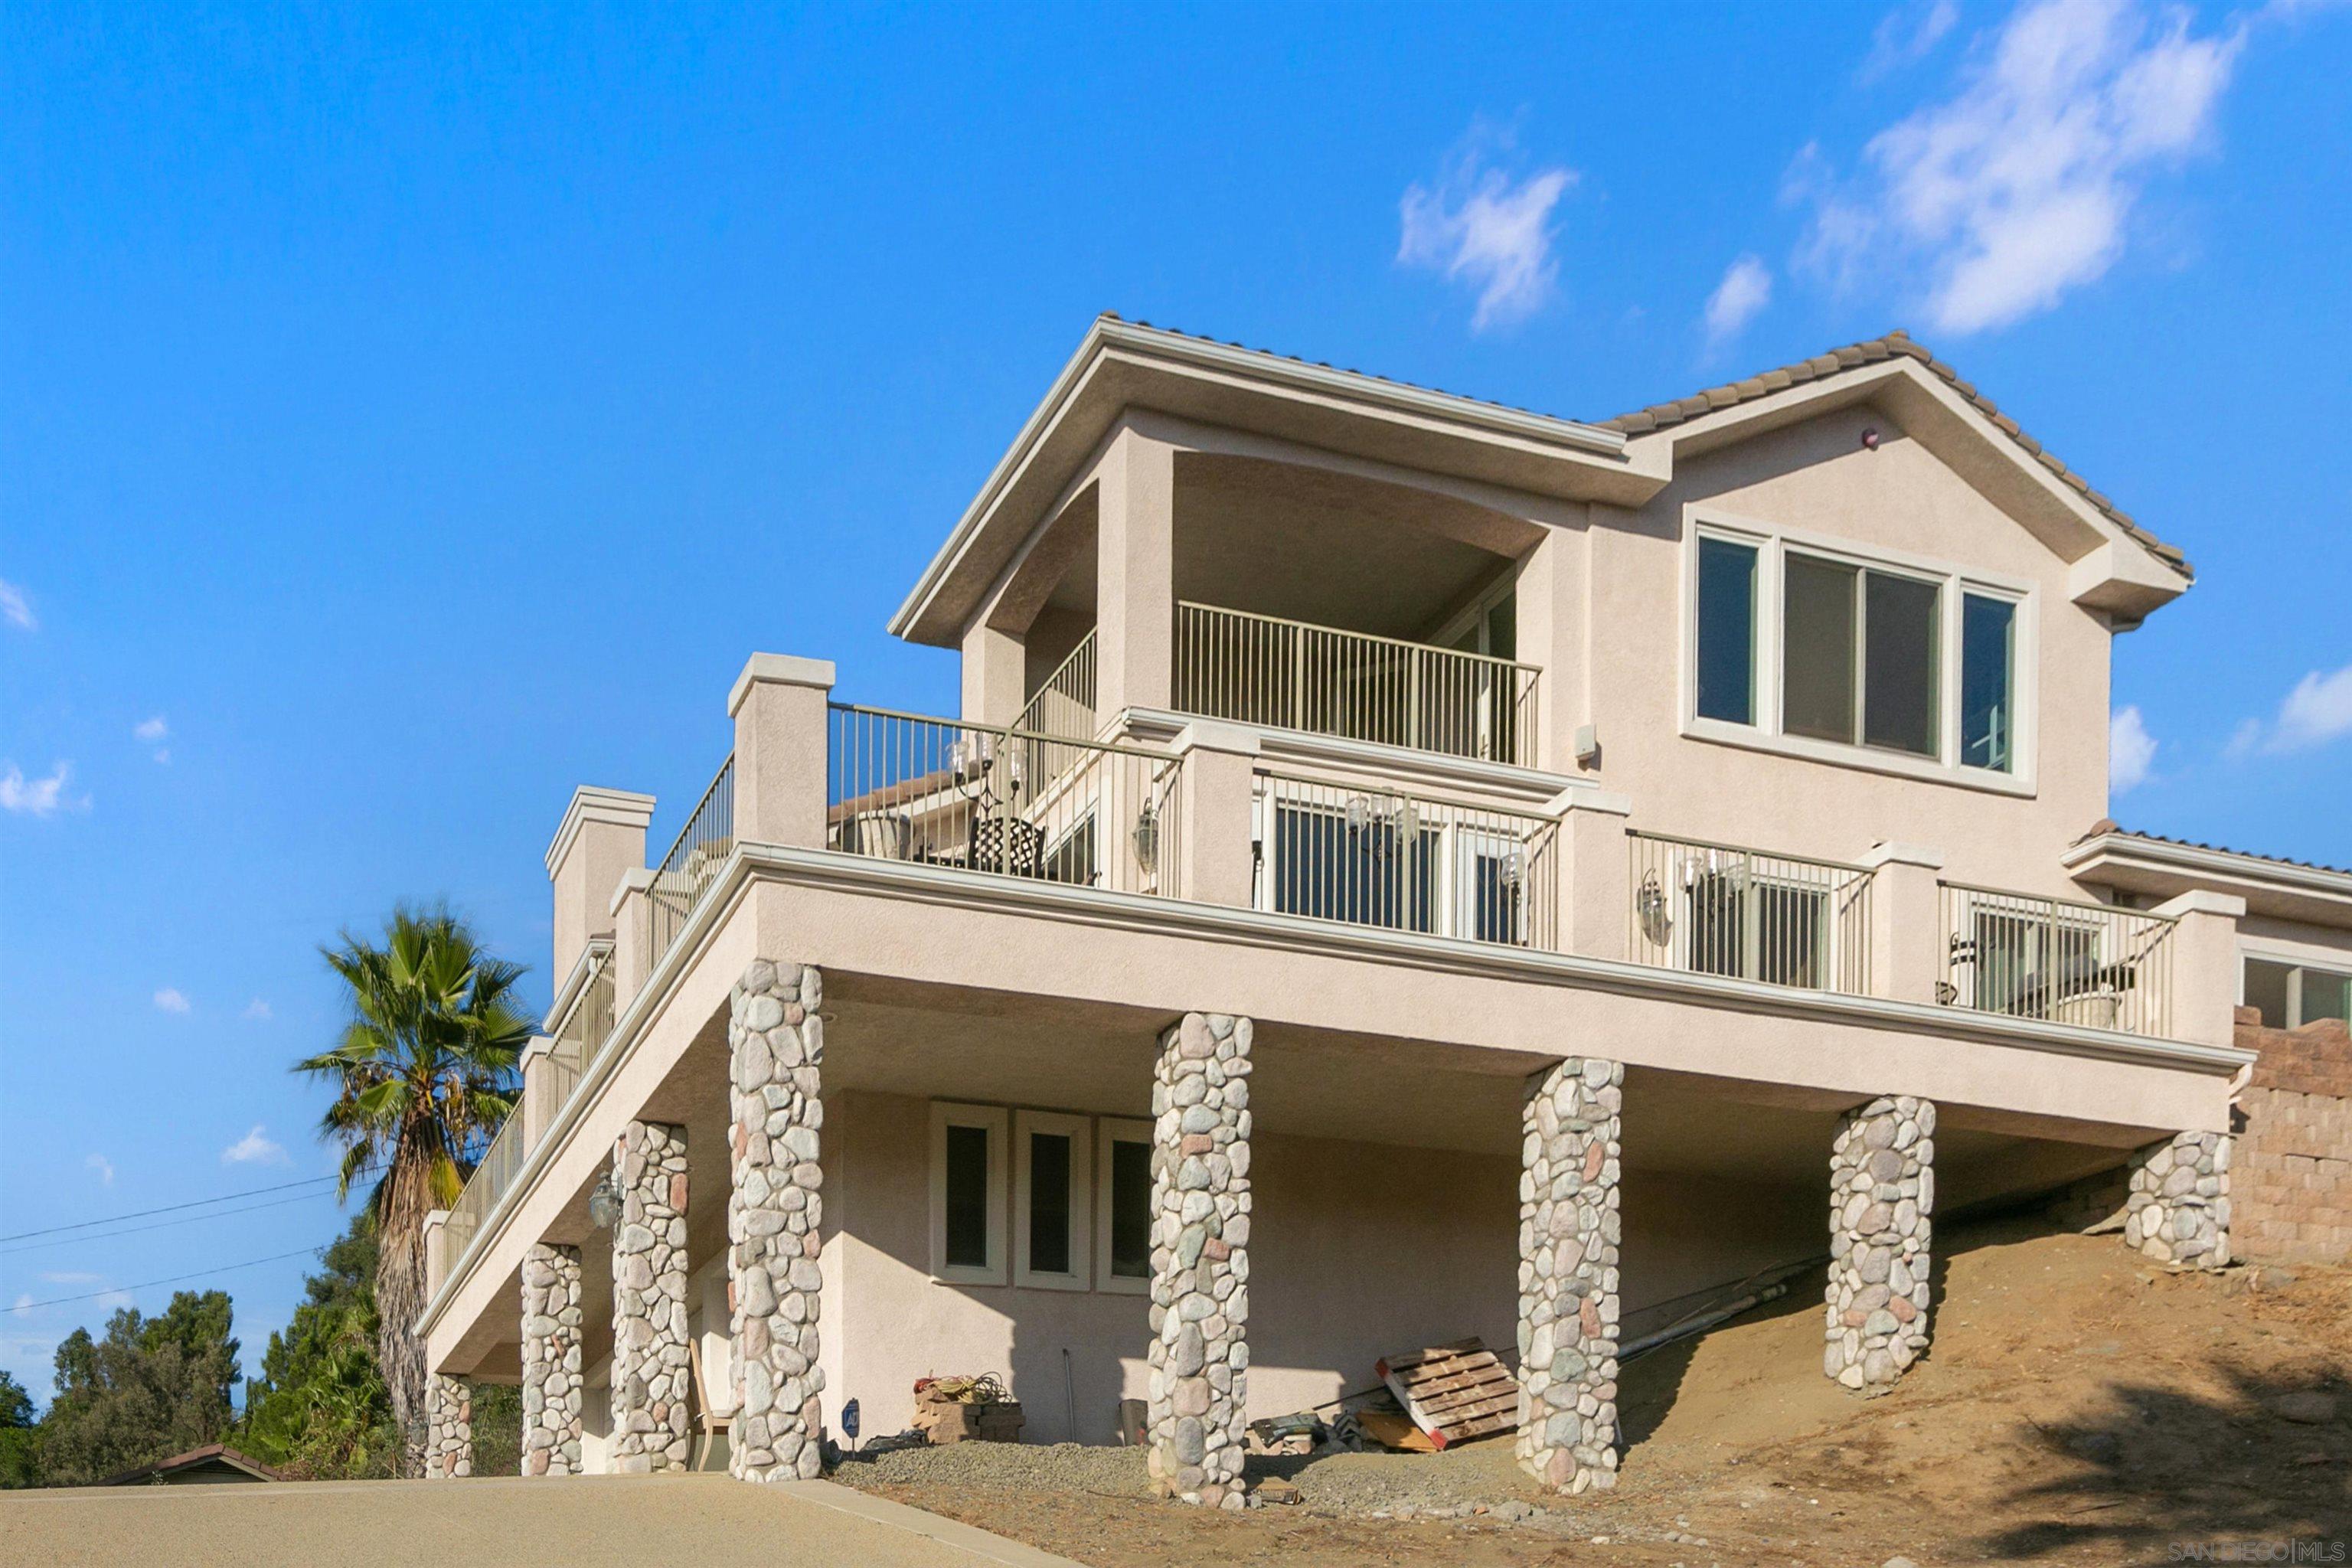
(1479, 227)
(256, 1148)
(170, 1000)
(103, 1166)
(2318, 710)
(1746, 289)
(2131, 750)
(2021, 185)
(37, 797)
(1905, 36)
(257, 1010)
(153, 729)
(15, 608)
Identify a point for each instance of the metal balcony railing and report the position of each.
(692, 865)
(1261, 669)
(2031, 957)
(1368, 856)
(1065, 705)
(940, 793)
(1719, 909)
(581, 1034)
(491, 1178)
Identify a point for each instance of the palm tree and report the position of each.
(423, 1076)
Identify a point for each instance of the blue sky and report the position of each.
(407, 415)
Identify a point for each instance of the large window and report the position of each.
(2290, 994)
(1123, 1206)
(1790, 640)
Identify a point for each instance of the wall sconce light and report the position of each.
(604, 1202)
(1147, 840)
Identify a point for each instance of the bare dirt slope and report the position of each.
(2078, 1407)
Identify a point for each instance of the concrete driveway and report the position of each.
(589, 1519)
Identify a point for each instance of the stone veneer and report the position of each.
(1200, 1260)
(652, 1372)
(449, 1427)
(1568, 1237)
(774, 1218)
(1882, 1198)
(553, 1392)
(2179, 1207)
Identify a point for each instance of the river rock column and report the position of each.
(1200, 1260)
(553, 1393)
(1568, 1237)
(774, 1218)
(2178, 1210)
(449, 1427)
(652, 1372)
(1882, 1198)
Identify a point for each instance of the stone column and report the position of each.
(1200, 1260)
(2178, 1210)
(652, 1377)
(553, 1393)
(1882, 1195)
(775, 1215)
(1568, 1237)
(449, 1432)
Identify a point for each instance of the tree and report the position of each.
(320, 1410)
(19, 1460)
(151, 1388)
(423, 1076)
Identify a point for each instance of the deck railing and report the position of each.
(692, 865)
(1065, 705)
(2031, 957)
(580, 1035)
(491, 1178)
(1368, 856)
(1260, 669)
(977, 798)
(1720, 908)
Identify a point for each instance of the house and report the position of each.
(214, 1464)
(1404, 867)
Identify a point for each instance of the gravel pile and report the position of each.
(1480, 1476)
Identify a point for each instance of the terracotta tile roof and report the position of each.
(2108, 825)
(1895, 345)
(1853, 356)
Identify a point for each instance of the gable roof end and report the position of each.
(1877, 351)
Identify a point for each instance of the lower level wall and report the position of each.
(1358, 1249)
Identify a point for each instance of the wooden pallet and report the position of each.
(1454, 1393)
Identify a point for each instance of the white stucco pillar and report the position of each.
(601, 836)
(778, 704)
(995, 675)
(1595, 889)
(1906, 963)
(2205, 965)
(1211, 848)
(1135, 574)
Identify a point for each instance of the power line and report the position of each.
(174, 1279)
(174, 1208)
(161, 1224)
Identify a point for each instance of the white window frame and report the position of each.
(1054, 1124)
(998, 1123)
(1110, 1130)
(1772, 545)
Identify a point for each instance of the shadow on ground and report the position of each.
(2160, 1469)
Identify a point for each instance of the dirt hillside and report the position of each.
(2077, 1407)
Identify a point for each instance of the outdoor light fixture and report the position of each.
(604, 1202)
(1401, 818)
(1870, 438)
(1146, 838)
(1513, 869)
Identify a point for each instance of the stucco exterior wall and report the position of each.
(1357, 1250)
(1816, 477)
